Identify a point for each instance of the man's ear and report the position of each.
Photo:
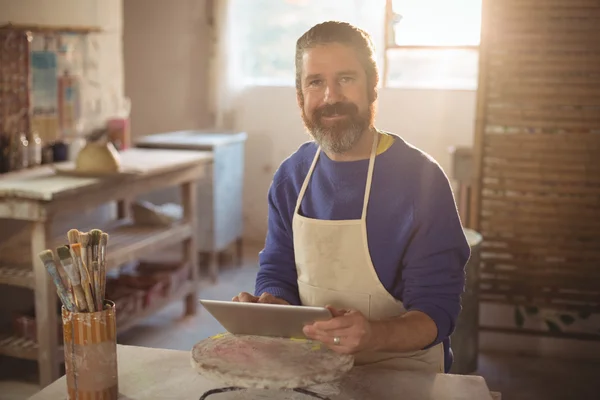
(373, 94)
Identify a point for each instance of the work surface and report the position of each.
(44, 184)
(146, 373)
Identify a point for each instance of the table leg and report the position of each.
(189, 199)
(123, 208)
(45, 306)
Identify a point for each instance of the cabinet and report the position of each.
(220, 220)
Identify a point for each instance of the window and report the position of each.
(435, 44)
(265, 32)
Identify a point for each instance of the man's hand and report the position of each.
(267, 298)
(351, 327)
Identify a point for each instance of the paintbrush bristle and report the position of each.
(63, 253)
(103, 239)
(84, 239)
(73, 236)
(95, 235)
(46, 256)
(76, 247)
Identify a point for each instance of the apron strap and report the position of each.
(367, 184)
(306, 180)
(363, 217)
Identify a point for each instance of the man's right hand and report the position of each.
(267, 298)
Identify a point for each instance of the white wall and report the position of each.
(432, 120)
(166, 45)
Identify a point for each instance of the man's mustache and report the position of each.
(339, 108)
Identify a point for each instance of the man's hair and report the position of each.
(342, 33)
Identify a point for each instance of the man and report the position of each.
(360, 221)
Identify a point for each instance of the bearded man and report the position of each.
(360, 221)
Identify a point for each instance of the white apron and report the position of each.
(334, 267)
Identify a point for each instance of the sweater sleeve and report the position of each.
(434, 263)
(277, 267)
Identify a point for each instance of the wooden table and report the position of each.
(147, 373)
(40, 196)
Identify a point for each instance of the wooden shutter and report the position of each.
(537, 154)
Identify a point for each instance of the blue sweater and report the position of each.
(415, 236)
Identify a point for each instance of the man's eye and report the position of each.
(347, 79)
(316, 82)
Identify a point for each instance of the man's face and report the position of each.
(335, 106)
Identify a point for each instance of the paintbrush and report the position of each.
(88, 288)
(102, 264)
(95, 271)
(84, 240)
(95, 235)
(73, 236)
(93, 247)
(66, 298)
(74, 275)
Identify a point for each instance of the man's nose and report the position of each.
(333, 94)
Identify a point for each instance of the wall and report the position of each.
(166, 64)
(432, 120)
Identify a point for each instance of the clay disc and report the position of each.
(267, 362)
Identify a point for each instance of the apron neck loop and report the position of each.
(367, 184)
(370, 173)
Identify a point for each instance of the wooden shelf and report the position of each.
(183, 291)
(17, 347)
(127, 242)
(52, 28)
(16, 276)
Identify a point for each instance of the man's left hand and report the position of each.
(351, 327)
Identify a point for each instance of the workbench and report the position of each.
(160, 374)
(41, 196)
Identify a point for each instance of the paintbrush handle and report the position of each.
(85, 281)
(80, 298)
(84, 255)
(72, 272)
(97, 286)
(102, 281)
(63, 294)
(89, 298)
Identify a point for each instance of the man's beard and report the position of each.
(338, 136)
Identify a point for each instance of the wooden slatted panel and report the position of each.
(538, 188)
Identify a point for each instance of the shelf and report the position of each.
(127, 242)
(15, 276)
(183, 291)
(18, 347)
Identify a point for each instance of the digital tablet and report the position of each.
(264, 319)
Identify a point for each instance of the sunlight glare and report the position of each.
(438, 22)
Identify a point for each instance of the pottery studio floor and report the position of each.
(517, 378)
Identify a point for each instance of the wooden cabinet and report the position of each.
(220, 223)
